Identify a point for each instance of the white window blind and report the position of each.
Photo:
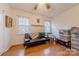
(47, 26)
(23, 25)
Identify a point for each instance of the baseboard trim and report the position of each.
(9, 48)
(5, 50)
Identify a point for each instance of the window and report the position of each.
(47, 26)
(22, 25)
(23, 21)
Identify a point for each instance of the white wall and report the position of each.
(67, 19)
(5, 33)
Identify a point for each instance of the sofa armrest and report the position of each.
(27, 40)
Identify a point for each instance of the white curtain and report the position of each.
(1, 33)
(55, 29)
(47, 26)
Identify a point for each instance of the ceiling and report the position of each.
(55, 8)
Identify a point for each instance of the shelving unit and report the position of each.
(65, 38)
(75, 38)
(65, 35)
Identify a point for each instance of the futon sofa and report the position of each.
(28, 41)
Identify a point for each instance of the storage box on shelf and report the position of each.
(75, 38)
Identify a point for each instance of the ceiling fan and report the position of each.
(46, 4)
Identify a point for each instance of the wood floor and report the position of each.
(41, 50)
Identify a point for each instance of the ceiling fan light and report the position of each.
(47, 5)
(41, 4)
(36, 6)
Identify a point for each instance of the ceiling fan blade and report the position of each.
(47, 6)
(36, 6)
